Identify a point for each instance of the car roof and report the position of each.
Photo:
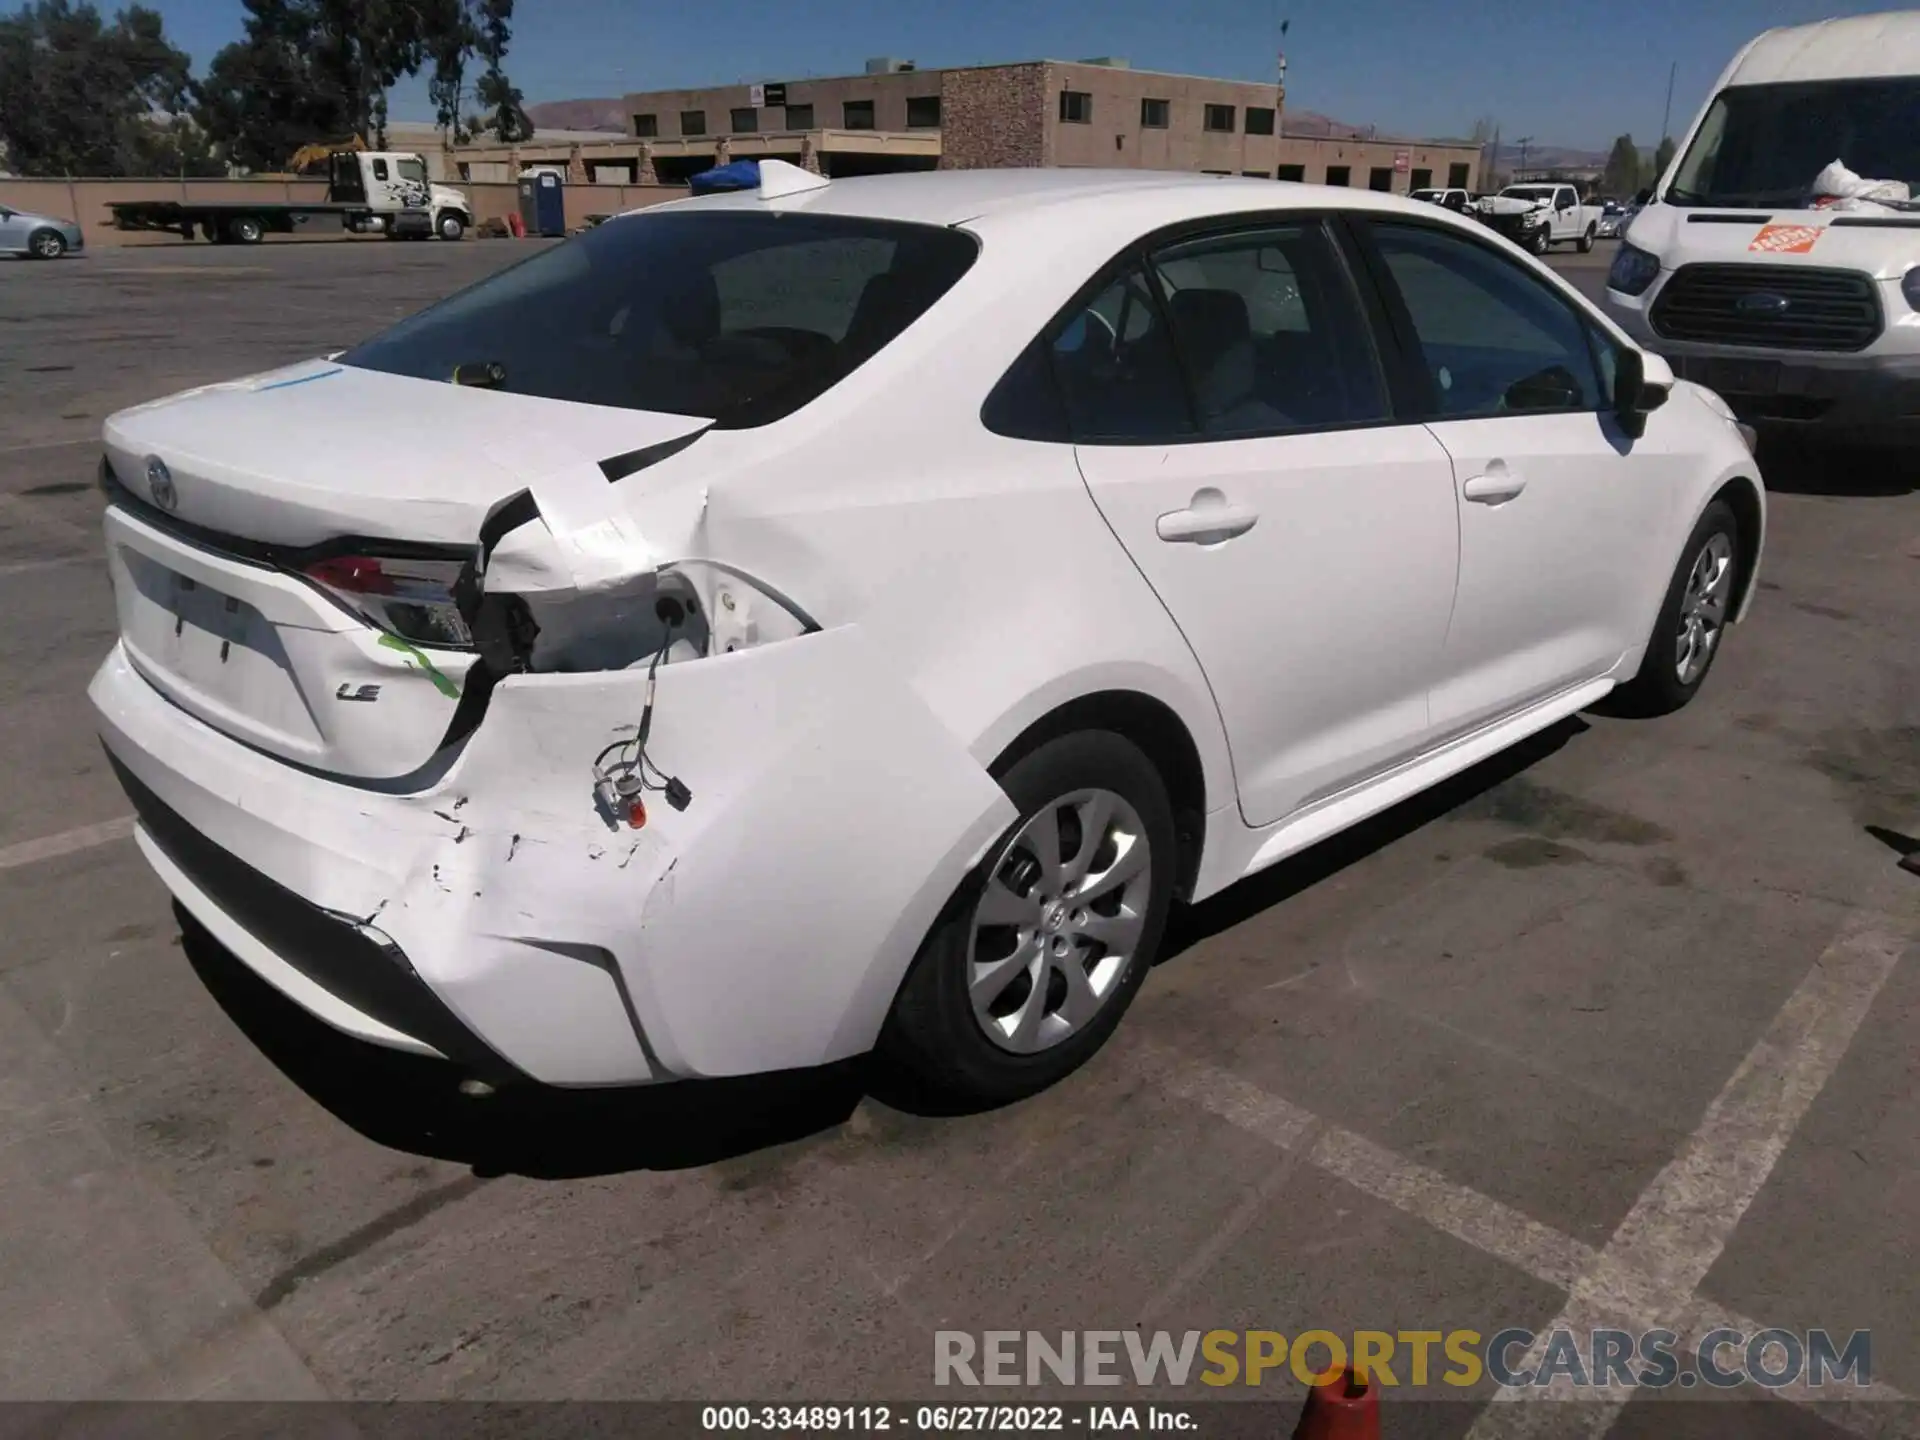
(1857, 47)
(959, 197)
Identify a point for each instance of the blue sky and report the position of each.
(1567, 74)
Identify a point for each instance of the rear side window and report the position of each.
(1270, 331)
(1116, 367)
(738, 317)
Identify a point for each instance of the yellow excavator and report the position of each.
(311, 158)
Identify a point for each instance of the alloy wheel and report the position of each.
(1059, 922)
(1703, 608)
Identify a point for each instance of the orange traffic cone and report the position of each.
(1342, 1407)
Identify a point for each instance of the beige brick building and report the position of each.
(1041, 112)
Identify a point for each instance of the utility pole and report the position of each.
(1667, 114)
(1523, 142)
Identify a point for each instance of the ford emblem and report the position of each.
(160, 483)
(1763, 302)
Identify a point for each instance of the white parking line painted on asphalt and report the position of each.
(32, 567)
(1648, 1272)
(86, 837)
(93, 439)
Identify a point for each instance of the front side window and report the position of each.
(412, 167)
(1493, 339)
(734, 316)
(1765, 144)
(379, 169)
(1270, 333)
(1116, 369)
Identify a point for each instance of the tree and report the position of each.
(1662, 157)
(1622, 175)
(507, 118)
(309, 71)
(81, 96)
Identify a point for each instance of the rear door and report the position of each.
(1553, 499)
(1235, 430)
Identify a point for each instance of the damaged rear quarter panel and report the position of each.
(765, 927)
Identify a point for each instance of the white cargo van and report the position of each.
(1778, 260)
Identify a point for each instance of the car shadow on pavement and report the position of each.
(413, 1103)
(1797, 466)
(1191, 924)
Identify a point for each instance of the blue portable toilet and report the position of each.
(740, 175)
(543, 204)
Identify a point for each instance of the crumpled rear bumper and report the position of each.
(494, 916)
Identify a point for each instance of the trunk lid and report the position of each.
(230, 482)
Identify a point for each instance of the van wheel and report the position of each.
(452, 226)
(1693, 618)
(1586, 240)
(1040, 952)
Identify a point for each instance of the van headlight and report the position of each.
(1633, 270)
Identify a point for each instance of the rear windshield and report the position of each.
(738, 317)
(1766, 144)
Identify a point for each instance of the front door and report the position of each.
(1550, 505)
(1235, 432)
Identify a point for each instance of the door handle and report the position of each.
(1207, 520)
(1496, 487)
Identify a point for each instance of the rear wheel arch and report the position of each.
(1158, 732)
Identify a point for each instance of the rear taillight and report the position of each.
(408, 597)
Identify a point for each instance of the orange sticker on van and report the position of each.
(1786, 239)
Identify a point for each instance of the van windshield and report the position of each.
(1764, 144)
(736, 316)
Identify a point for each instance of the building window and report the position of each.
(857, 115)
(1259, 120)
(1076, 107)
(693, 122)
(1380, 177)
(923, 112)
(1219, 118)
(1295, 173)
(1339, 175)
(746, 120)
(646, 127)
(1422, 180)
(1256, 174)
(799, 117)
(1155, 114)
(1457, 176)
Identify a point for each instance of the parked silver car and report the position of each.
(44, 237)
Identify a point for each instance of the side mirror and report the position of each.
(1642, 382)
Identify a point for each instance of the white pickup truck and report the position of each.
(1541, 214)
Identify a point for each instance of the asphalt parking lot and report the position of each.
(1617, 1029)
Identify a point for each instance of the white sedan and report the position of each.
(848, 615)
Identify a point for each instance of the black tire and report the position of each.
(451, 226)
(46, 244)
(215, 235)
(246, 230)
(1542, 240)
(1658, 689)
(1586, 240)
(932, 1035)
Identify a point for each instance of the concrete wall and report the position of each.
(1115, 136)
(87, 200)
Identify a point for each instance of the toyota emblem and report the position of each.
(160, 483)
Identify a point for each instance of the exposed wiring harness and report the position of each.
(623, 773)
